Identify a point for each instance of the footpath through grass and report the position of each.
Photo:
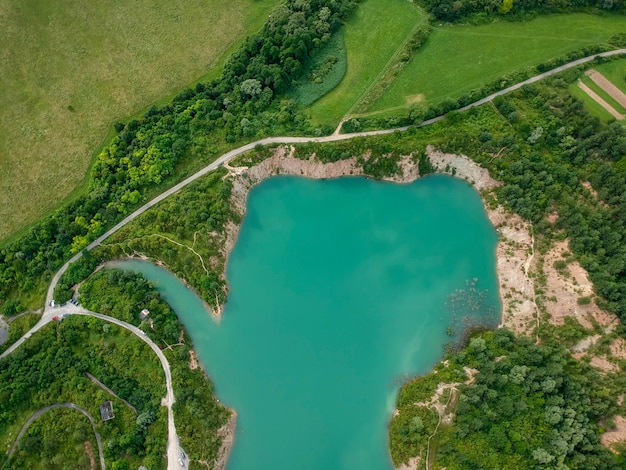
(68, 73)
(372, 36)
(458, 59)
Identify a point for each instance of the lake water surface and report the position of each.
(339, 290)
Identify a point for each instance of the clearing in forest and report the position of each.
(68, 73)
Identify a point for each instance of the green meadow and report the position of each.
(373, 35)
(70, 70)
(458, 59)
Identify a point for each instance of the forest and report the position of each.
(530, 406)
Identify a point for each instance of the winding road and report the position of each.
(173, 443)
(38, 413)
(173, 447)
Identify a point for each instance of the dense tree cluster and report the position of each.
(196, 124)
(481, 10)
(530, 406)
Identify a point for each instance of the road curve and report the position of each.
(227, 157)
(173, 443)
(38, 413)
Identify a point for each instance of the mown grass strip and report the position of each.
(591, 104)
(603, 94)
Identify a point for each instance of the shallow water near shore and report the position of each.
(339, 290)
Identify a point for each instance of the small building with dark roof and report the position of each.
(106, 411)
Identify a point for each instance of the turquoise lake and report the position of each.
(339, 290)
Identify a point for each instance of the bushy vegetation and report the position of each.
(123, 294)
(50, 368)
(531, 406)
(196, 125)
(480, 11)
(186, 233)
(58, 436)
(323, 72)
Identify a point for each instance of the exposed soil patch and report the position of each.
(618, 348)
(569, 290)
(412, 99)
(616, 436)
(227, 434)
(594, 193)
(193, 360)
(89, 452)
(603, 364)
(412, 464)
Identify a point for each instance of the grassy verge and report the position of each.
(69, 73)
(372, 36)
(458, 59)
(17, 329)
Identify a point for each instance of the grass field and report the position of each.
(70, 69)
(458, 59)
(372, 36)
